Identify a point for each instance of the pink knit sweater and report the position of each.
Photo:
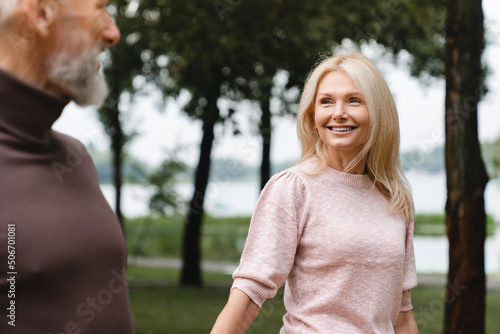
(347, 260)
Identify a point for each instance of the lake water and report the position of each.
(231, 198)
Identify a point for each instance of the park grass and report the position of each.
(167, 308)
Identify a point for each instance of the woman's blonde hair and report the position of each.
(381, 149)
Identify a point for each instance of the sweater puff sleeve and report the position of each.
(410, 273)
(273, 237)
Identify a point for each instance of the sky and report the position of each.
(420, 107)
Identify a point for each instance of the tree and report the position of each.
(466, 174)
(165, 199)
(186, 50)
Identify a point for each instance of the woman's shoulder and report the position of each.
(296, 179)
(297, 173)
(287, 190)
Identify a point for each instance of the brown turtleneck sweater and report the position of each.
(67, 257)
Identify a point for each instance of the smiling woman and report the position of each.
(342, 91)
(338, 226)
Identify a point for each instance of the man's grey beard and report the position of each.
(79, 77)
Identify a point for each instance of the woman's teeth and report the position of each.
(342, 128)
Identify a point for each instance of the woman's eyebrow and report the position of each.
(353, 93)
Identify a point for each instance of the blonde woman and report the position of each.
(337, 227)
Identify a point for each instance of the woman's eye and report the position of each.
(355, 100)
(325, 101)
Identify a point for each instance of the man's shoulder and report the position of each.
(66, 140)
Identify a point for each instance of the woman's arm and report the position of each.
(239, 312)
(406, 323)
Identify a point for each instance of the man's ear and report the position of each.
(41, 14)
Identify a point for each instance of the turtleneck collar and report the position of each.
(27, 112)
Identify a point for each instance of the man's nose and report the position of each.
(111, 34)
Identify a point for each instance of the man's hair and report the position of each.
(6, 8)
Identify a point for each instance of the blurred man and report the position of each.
(62, 252)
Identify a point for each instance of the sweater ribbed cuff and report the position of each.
(256, 291)
(406, 301)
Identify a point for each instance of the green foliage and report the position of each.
(165, 199)
(416, 26)
(236, 48)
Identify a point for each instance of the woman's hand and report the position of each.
(406, 323)
(238, 314)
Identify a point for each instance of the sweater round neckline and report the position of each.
(349, 179)
(361, 181)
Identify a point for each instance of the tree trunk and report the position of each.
(109, 115)
(117, 142)
(466, 174)
(266, 132)
(191, 252)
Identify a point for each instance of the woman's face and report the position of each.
(341, 115)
